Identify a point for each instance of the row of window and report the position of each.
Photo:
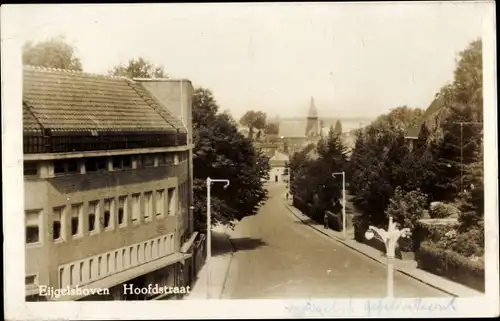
(97, 267)
(113, 163)
(102, 218)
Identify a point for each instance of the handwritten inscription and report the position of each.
(376, 307)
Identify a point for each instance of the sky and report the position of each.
(355, 59)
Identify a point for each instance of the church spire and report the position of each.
(313, 113)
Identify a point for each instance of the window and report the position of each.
(127, 161)
(91, 267)
(122, 210)
(162, 159)
(124, 252)
(59, 167)
(122, 162)
(96, 164)
(148, 206)
(130, 256)
(116, 260)
(71, 274)
(136, 207)
(146, 251)
(30, 168)
(160, 202)
(171, 205)
(72, 166)
(32, 227)
(93, 208)
(139, 253)
(81, 271)
(170, 158)
(148, 160)
(76, 213)
(108, 258)
(30, 280)
(108, 213)
(99, 263)
(152, 249)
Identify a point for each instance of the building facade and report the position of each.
(279, 168)
(108, 185)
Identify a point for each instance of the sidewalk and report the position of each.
(222, 253)
(407, 267)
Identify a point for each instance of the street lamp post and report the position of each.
(390, 238)
(344, 227)
(209, 225)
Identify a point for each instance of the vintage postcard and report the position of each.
(250, 160)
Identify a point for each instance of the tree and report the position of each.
(139, 68)
(472, 201)
(271, 129)
(253, 120)
(399, 118)
(221, 152)
(338, 127)
(52, 53)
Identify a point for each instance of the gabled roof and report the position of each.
(72, 101)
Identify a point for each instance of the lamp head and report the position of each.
(369, 234)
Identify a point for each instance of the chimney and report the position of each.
(176, 97)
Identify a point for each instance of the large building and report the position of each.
(108, 184)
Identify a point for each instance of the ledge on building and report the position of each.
(189, 243)
(121, 277)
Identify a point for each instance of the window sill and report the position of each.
(59, 241)
(76, 236)
(123, 225)
(34, 245)
(93, 232)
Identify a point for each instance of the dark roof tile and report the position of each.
(63, 100)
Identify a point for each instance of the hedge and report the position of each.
(431, 230)
(451, 265)
(334, 221)
(443, 210)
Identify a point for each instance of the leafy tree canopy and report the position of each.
(221, 152)
(271, 129)
(52, 53)
(139, 68)
(253, 120)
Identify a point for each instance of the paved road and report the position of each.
(277, 256)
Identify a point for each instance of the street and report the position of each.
(277, 256)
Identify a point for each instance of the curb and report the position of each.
(371, 257)
(228, 266)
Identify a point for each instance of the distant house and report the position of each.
(278, 164)
(432, 118)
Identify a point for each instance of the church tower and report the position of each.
(312, 120)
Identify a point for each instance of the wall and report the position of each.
(276, 171)
(177, 97)
(45, 194)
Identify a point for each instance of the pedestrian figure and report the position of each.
(287, 196)
(325, 218)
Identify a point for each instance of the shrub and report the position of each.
(360, 226)
(442, 210)
(334, 221)
(432, 230)
(406, 208)
(470, 243)
(451, 265)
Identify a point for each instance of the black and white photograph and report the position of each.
(250, 160)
